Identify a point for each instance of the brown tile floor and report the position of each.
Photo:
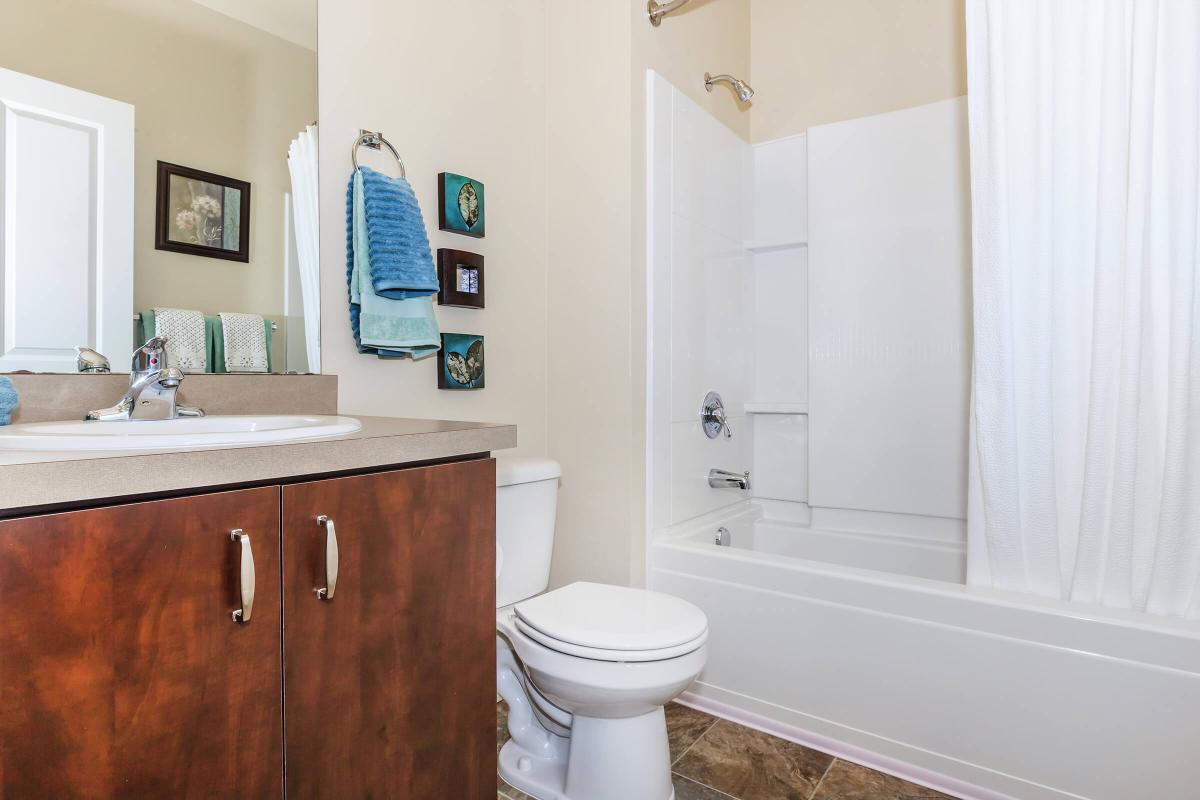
(714, 759)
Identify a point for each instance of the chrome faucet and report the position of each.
(723, 479)
(152, 388)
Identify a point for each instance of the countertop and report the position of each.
(37, 481)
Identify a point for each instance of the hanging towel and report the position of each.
(184, 330)
(401, 263)
(215, 331)
(244, 342)
(8, 400)
(389, 328)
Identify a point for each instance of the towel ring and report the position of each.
(374, 140)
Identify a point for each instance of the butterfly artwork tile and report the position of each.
(460, 361)
(460, 205)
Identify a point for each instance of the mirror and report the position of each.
(158, 175)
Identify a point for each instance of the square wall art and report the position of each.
(460, 205)
(460, 361)
(460, 275)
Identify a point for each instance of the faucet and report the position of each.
(723, 479)
(152, 388)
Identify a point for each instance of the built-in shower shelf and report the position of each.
(753, 407)
(772, 245)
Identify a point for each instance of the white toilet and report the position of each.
(585, 669)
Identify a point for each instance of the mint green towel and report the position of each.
(214, 339)
(399, 327)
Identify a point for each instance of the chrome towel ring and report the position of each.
(374, 140)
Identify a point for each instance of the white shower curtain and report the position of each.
(302, 163)
(1085, 161)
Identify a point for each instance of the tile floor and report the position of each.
(714, 759)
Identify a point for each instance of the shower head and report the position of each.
(740, 87)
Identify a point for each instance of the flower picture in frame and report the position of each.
(202, 213)
(460, 276)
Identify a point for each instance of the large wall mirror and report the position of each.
(158, 176)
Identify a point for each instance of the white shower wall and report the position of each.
(700, 301)
(730, 290)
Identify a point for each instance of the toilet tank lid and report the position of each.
(511, 470)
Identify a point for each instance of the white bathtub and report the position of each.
(870, 646)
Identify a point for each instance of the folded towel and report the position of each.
(184, 329)
(244, 339)
(401, 263)
(215, 332)
(389, 328)
(8, 400)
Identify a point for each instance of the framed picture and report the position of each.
(460, 275)
(460, 205)
(201, 213)
(460, 361)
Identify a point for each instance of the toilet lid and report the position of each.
(594, 615)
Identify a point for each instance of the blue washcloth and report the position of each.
(390, 328)
(8, 400)
(401, 263)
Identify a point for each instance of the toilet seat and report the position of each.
(601, 654)
(612, 623)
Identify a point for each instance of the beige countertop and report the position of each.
(31, 480)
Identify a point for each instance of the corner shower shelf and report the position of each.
(753, 407)
(772, 245)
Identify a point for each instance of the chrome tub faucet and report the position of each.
(153, 387)
(723, 479)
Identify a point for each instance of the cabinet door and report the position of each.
(122, 672)
(390, 685)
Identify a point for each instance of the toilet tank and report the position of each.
(526, 503)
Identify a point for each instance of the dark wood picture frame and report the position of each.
(448, 263)
(162, 221)
(445, 211)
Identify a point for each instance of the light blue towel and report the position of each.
(8, 400)
(401, 263)
(390, 328)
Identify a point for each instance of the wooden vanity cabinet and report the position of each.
(124, 674)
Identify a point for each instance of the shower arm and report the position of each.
(659, 10)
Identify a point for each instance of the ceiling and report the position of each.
(293, 20)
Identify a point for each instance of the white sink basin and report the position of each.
(172, 434)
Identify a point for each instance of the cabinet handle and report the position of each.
(246, 576)
(331, 558)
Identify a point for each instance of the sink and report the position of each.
(172, 434)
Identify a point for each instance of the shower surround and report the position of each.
(838, 613)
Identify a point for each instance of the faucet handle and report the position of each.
(150, 356)
(89, 360)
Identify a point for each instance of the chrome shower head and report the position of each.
(740, 87)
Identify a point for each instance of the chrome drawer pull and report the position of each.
(242, 615)
(331, 558)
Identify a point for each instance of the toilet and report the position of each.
(585, 669)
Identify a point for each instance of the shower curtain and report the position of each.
(1085, 432)
(302, 164)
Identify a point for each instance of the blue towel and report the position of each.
(401, 263)
(8, 400)
(389, 328)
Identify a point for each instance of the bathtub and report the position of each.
(870, 646)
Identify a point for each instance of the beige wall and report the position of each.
(817, 61)
(458, 87)
(549, 111)
(209, 92)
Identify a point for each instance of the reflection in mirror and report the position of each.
(161, 180)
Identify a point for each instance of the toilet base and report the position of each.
(608, 758)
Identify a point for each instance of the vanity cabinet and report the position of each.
(123, 672)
